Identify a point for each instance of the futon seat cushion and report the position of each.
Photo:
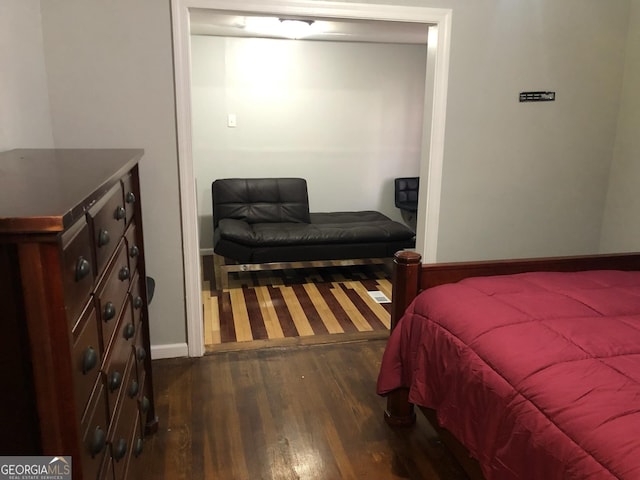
(325, 228)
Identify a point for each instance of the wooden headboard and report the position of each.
(410, 276)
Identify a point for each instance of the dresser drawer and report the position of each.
(77, 268)
(118, 359)
(136, 465)
(121, 427)
(136, 300)
(140, 353)
(133, 247)
(94, 427)
(87, 356)
(129, 197)
(107, 219)
(133, 387)
(112, 294)
(144, 404)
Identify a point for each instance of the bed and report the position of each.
(533, 366)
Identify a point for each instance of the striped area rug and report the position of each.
(301, 305)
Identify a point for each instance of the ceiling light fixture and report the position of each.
(297, 28)
(280, 27)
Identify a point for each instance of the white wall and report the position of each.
(25, 120)
(526, 180)
(621, 228)
(347, 117)
(110, 74)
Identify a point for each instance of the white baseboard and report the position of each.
(170, 350)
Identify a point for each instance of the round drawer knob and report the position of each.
(134, 388)
(83, 268)
(115, 379)
(130, 197)
(145, 404)
(124, 274)
(98, 441)
(109, 311)
(137, 302)
(137, 449)
(129, 331)
(120, 449)
(103, 237)
(119, 213)
(134, 251)
(89, 360)
(141, 354)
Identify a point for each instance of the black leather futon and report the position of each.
(267, 220)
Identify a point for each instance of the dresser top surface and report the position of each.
(46, 190)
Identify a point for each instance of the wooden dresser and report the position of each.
(74, 361)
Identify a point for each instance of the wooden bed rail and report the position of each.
(410, 276)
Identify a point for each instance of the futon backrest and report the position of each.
(261, 200)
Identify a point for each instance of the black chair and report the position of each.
(406, 193)
(151, 288)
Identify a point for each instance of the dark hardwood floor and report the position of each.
(301, 412)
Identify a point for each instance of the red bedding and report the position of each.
(537, 374)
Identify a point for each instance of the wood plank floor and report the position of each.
(302, 412)
(304, 305)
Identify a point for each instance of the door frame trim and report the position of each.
(432, 154)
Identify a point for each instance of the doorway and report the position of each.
(439, 21)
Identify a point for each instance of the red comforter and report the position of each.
(537, 374)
